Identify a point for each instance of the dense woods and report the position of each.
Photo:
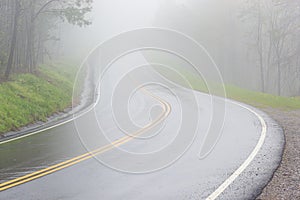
(28, 30)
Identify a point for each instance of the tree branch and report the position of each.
(42, 8)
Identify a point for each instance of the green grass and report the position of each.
(262, 100)
(29, 98)
(257, 99)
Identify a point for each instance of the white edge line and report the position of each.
(246, 163)
(33, 133)
(52, 127)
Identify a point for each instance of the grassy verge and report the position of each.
(29, 98)
(257, 99)
(262, 100)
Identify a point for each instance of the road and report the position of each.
(154, 141)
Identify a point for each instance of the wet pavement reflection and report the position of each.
(39, 151)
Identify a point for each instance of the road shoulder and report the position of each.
(286, 180)
(250, 183)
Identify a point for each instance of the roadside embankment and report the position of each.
(30, 98)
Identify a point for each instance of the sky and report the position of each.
(109, 18)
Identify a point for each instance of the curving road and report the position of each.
(145, 140)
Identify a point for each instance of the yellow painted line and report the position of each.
(65, 163)
(78, 159)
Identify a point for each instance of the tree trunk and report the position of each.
(260, 49)
(31, 57)
(13, 40)
(278, 76)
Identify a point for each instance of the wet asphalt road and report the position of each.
(165, 162)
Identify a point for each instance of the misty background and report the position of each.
(254, 43)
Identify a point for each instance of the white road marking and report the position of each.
(246, 163)
(46, 129)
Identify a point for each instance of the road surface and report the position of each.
(154, 141)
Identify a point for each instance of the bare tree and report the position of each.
(276, 23)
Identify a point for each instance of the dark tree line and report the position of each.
(27, 27)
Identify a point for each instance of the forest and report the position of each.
(29, 31)
(255, 43)
(275, 40)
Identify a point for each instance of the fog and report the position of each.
(109, 18)
(225, 28)
(255, 44)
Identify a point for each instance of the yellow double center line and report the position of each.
(78, 159)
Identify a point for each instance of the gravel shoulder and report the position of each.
(285, 183)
